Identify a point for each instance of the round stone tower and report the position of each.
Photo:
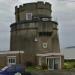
(34, 31)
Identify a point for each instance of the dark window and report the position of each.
(28, 16)
(45, 33)
(11, 60)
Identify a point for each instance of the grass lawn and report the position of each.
(69, 65)
(35, 68)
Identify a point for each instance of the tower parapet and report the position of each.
(34, 6)
(39, 8)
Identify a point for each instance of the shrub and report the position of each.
(44, 66)
(27, 73)
(28, 64)
(67, 66)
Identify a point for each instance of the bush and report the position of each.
(27, 73)
(28, 64)
(67, 66)
(73, 65)
(44, 66)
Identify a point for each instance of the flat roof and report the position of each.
(50, 54)
(11, 52)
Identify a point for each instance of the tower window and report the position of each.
(28, 16)
(45, 33)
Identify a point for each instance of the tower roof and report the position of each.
(33, 6)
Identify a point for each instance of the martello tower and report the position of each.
(34, 31)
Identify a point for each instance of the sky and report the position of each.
(63, 11)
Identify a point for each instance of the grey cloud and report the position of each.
(4, 40)
(64, 13)
(6, 18)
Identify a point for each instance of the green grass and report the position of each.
(35, 68)
(30, 69)
(69, 65)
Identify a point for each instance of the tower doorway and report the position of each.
(53, 63)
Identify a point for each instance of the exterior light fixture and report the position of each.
(35, 39)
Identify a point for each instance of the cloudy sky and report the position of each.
(63, 13)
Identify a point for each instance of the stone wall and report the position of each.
(23, 37)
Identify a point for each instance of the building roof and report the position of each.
(50, 54)
(11, 52)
